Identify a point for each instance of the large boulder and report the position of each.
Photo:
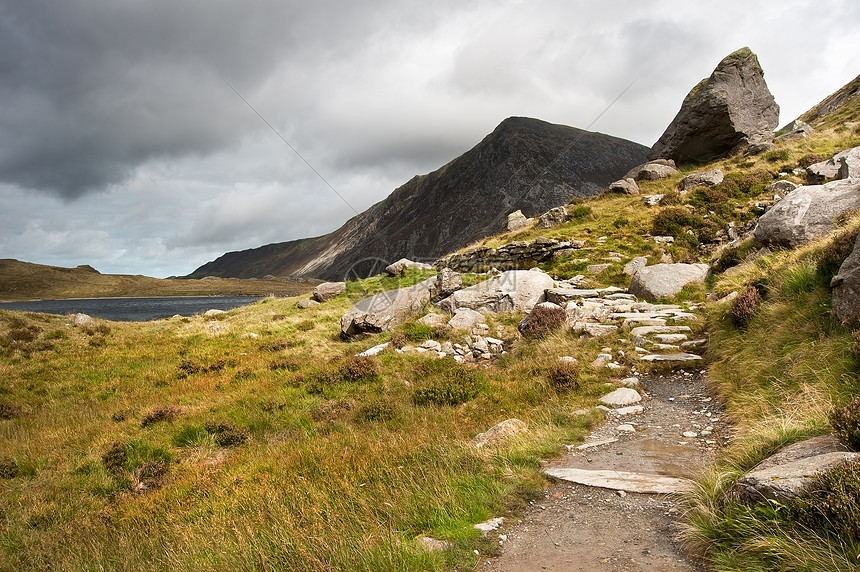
(328, 290)
(624, 186)
(553, 217)
(447, 282)
(807, 213)
(666, 280)
(843, 165)
(401, 266)
(787, 473)
(386, 310)
(722, 114)
(846, 289)
(652, 170)
(517, 220)
(511, 291)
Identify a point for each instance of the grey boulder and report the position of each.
(807, 213)
(666, 280)
(653, 170)
(846, 289)
(517, 220)
(328, 290)
(705, 178)
(552, 217)
(626, 186)
(401, 266)
(511, 291)
(722, 114)
(386, 310)
(843, 165)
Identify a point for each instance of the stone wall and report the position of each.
(519, 255)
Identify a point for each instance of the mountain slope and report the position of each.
(523, 164)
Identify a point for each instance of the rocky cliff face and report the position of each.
(523, 164)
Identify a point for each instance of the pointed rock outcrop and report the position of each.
(722, 114)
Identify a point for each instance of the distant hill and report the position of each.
(837, 108)
(523, 164)
(27, 281)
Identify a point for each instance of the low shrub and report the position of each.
(360, 369)
(580, 212)
(9, 410)
(227, 434)
(808, 160)
(564, 375)
(543, 320)
(97, 329)
(416, 332)
(834, 254)
(399, 340)
(739, 185)
(846, 423)
(777, 155)
(745, 306)
(189, 367)
(167, 413)
(445, 382)
(136, 464)
(286, 364)
(8, 468)
(26, 334)
(855, 345)
(191, 436)
(378, 410)
(830, 505)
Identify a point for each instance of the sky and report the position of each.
(152, 136)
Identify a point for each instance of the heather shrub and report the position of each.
(9, 410)
(745, 306)
(445, 382)
(830, 505)
(543, 320)
(564, 375)
(835, 253)
(846, 423)
(226, 434)
(160, 414)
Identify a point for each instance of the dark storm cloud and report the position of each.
(93, 88)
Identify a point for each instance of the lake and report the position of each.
(133, 309)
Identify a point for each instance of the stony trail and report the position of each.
(576, 527)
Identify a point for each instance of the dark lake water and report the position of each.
(133, 309)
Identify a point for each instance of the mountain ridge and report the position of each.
(525, 164)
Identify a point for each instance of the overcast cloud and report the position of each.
(123, 147)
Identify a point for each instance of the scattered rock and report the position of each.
(597, 268)
(705, 178)
(517, 220)
(511, 291)
(629, 382)
(328, 290)
(433, 544)
(843, 165)
(384, 311)
(781, 186)
(666, 280)
(447, 282)
(306, 303)
(432, 319)
(652, 200)
(626, 186)
(401, 266)
(375, 350)
(796, 130)
(846, 289)
(621, 397)
(652, 171)
(466, 319)
(674, 358)
(808, 213)
(82, 320)
(784, 475)
(500, 432)
(213, 312)
(722, 114)
(553, 217)
(490, 525)
(634, 265)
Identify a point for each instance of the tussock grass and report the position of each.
(779, 378)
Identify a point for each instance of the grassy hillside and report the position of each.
(26, 281)
(256, 440)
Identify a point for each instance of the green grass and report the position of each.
(116, 454)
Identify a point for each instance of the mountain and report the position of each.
(524, 164)
(836, 108)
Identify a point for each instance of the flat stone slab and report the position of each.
(675, 357)
(621, 397)
(593, 444)
(648, 330)
(622, 480)
(562, 296)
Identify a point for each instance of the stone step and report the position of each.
(671, 358)
(648, 330)
(622, 480)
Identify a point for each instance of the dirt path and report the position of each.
(577, 527)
